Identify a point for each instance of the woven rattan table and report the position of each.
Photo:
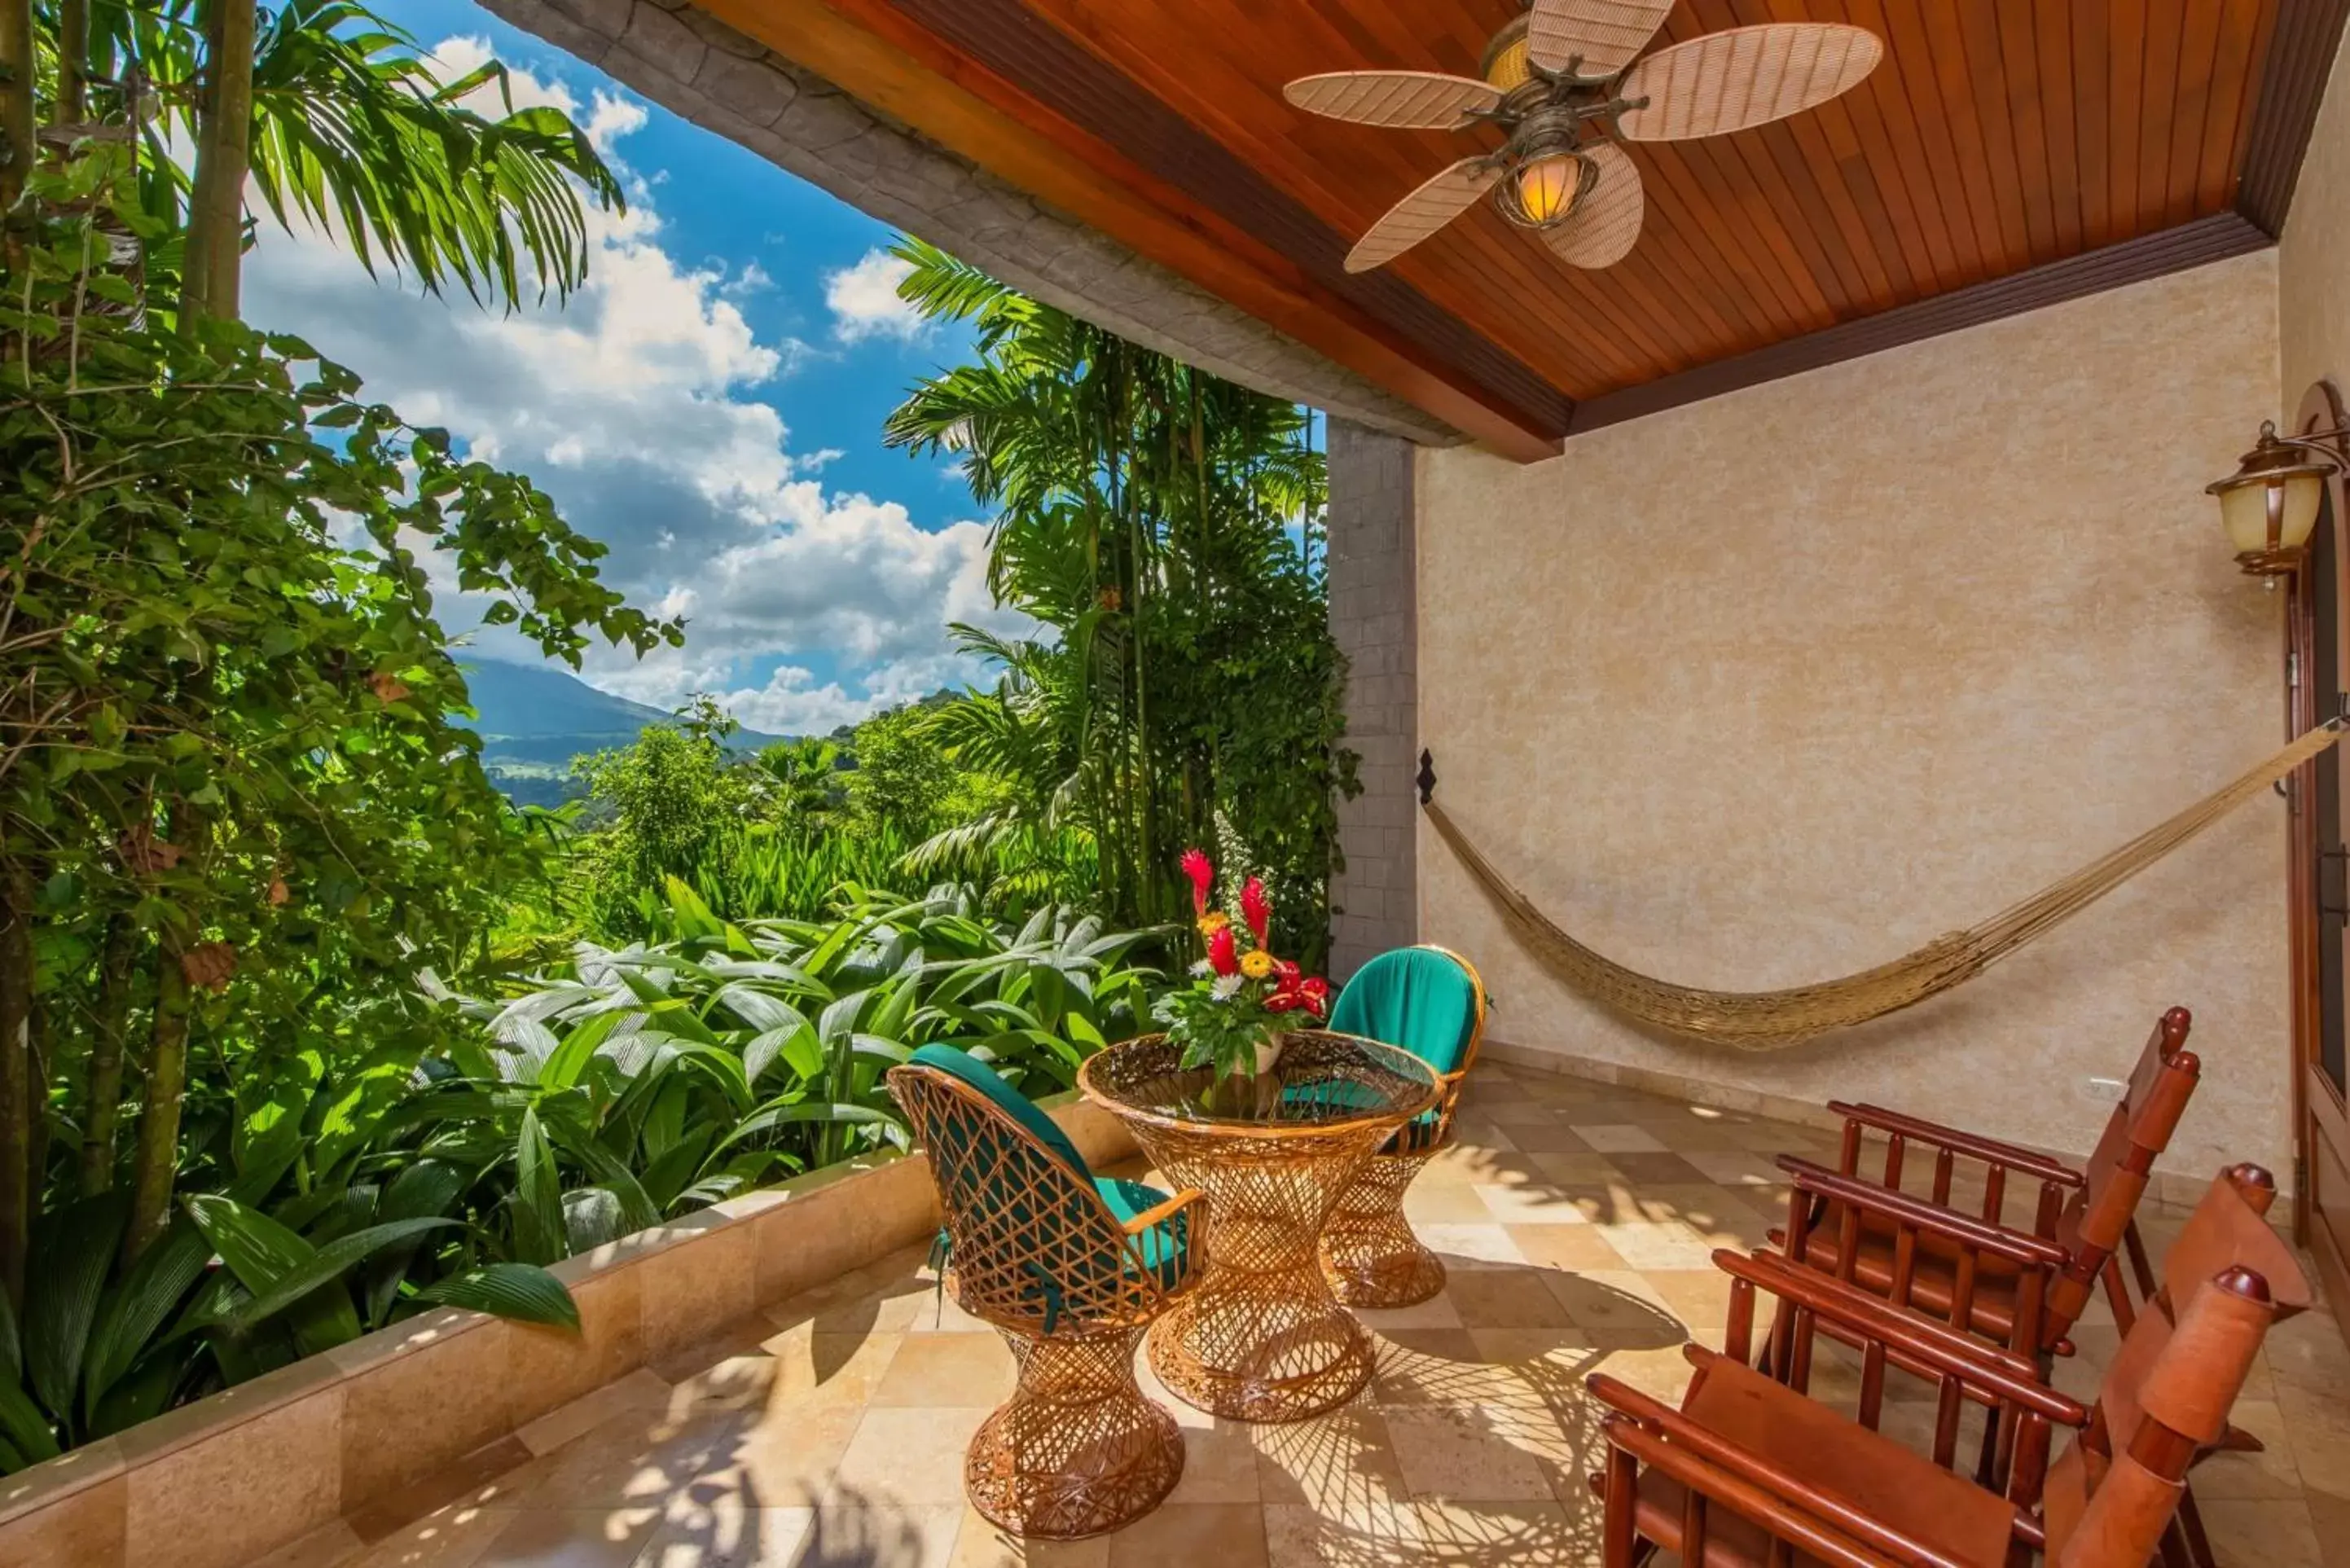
(1262, 1338)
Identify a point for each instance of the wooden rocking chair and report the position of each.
(1869, 1232)
(1749, 1472)
(1070, 1268)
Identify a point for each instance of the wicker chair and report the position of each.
(1070, 1268)
(1430, 1001)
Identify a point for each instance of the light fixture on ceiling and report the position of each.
(2269, 505)
(1544, 187)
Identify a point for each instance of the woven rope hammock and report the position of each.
(1769, 1020)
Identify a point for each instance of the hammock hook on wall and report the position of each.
(1769, 1020)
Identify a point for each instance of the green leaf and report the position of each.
(22, 1424)
(516, 1291)
(135, 1310)
(536, 1202)
(324, 1267)
(260, 1252)
(815, 1111)
(73, 1249)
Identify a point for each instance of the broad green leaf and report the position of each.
(73, 1249)
(327, 1265)
(516, 1291)
(536, 1201)
(260, 1252)
(136, 1309)
(815, 1111)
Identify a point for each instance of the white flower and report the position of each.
(1202, 970)
(1227, 986)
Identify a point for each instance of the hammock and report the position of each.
(1769, 1020)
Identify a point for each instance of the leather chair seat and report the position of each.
(1829, 1452)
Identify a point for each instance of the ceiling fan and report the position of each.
(1563, 81)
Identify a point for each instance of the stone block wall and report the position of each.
(1375, 899)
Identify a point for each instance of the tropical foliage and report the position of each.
(672, 1073)
(1160, 523)
(237, 818)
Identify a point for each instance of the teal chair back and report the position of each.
(1426, 999)
(1034, 1241)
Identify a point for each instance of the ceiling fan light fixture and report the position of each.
(1548, 186)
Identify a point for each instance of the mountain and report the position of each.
(536, 718)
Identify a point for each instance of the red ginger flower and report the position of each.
(1224, 951)
(1256, 909)
(1202, 874)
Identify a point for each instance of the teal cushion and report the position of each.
(1416, 998)
(1166, 1246)
(971, 1070)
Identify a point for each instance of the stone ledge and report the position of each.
(226, 1480)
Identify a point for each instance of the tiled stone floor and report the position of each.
(1577, 1222)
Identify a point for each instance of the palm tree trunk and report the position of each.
(117, 969)
(156, 1166)
(16, 1107)
(18, 120)
(73, 63)
(209, 284)
(1146, 855)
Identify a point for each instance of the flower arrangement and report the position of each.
(1245, 997)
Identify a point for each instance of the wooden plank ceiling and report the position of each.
(2005, 153)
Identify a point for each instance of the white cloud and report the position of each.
(753, 279)
(864, 300)
(632, 405)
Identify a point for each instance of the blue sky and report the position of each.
(710, 406)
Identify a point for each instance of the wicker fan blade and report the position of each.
(1606, 224)
(1428, 99)
(1605, 33)
(1428, 208)
(1746, 77)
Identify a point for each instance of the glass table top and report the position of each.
(1321, 1080)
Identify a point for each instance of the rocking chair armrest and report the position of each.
(1160, 1214)
(2019, 1247)
(1990, 1151)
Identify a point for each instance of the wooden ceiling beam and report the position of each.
(873, 52)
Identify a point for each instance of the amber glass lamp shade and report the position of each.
(2269, 505)
(1548, 186)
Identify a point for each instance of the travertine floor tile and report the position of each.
(948, 1369)
(725, 1533)
(907, 1457)
(1228, 1535)
(574, 1538)
(1619, 1137)
(881, 1537)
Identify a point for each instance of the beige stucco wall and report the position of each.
(1780, 685)
(2313, 262)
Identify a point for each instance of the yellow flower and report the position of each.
(1214, 921)
(1256, 964)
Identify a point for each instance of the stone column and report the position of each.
(1373, 902)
